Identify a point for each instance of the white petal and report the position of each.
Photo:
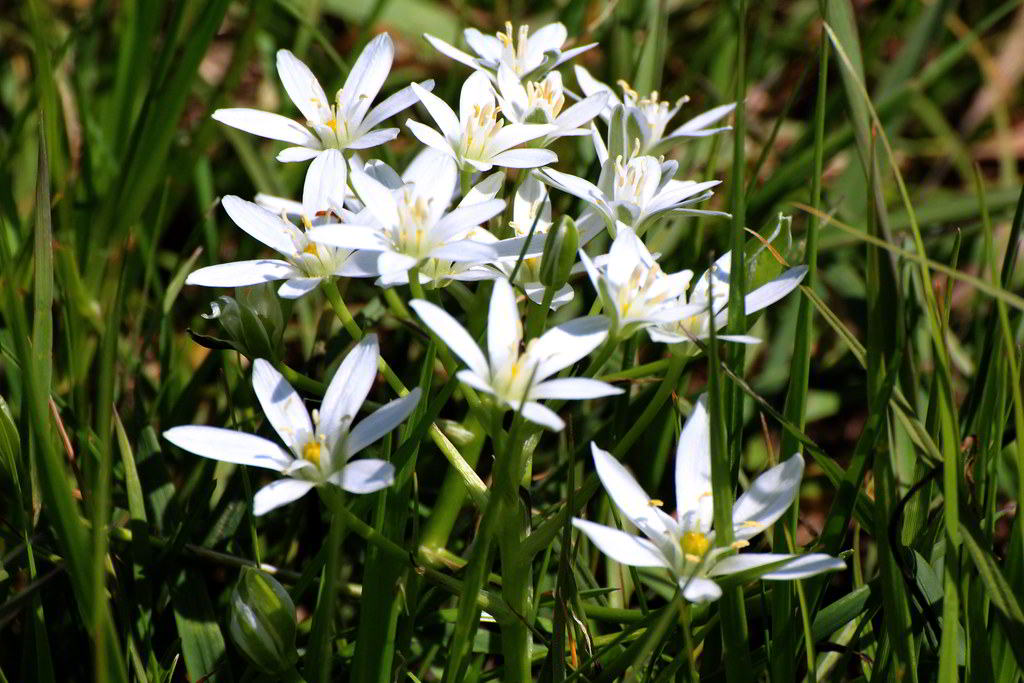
(583, 112)
(474, 380)
(769, 293)
(297, 287)
(486, 190)
(768, 497)
(484, 45)
(377, 198)
(293, 154)
(241, 273)
(366, 475)
(628, 495)
(574, 388)
(453, 335)
(542, 415)
(524, 158)
(693, 469)
(475, 93)
(451, 51)
(348, 389)
(348, 237)
(324, 187)
(400, 101)
(620, 546)
(574, 185)
(228, 445)
(278, 493)
(564, 344)
(518, 133)
(282, 405)
(389, 262)
(366, 78)
(465, 251)
(302, 87)
(591, 86)
(272, 230)
(464, 218)
(800, 567)
(380, 422)
(697, 589)
(626, 253)
(439, 110)
(430, 137)
(504, 328)
(706, 119)
(373, 138)
(267, 125)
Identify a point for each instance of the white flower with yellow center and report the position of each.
(652, 114)
(544, 102)
(685, 544)
(349, 123)
(636, 192)
(708, 302)
(407, 225)
(321, 446)
(516, 378)
(527, 56)
(305, 263)
(635, 293)
(476, 138)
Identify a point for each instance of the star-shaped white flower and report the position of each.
(320, 449)
(711, 294)
(527, 56)
(684, 544)
(634, 193)
(477, 138)
(652, 114)
(408, 224)
(635, 292)
(305, 263)
(519, 379)
(349, 123)
(543, 101)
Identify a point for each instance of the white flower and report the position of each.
(527, 56)
(711, 293)
(635, 292)
(476, 138)
(520, 379)
(319, 450)
(306, 263)
(684, 544)
(652, 114)
(636, 192)
(348, 124)
(407, 224)
(543, 102)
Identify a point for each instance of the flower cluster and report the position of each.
(475, 205)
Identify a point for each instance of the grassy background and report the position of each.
(119, 552)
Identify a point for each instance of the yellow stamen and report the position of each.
(655, 502)
(737, 545)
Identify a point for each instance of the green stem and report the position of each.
(318, 654)
(668, 384)
(537, 314)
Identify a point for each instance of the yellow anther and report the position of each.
(738, 545)
(655, 502)
(332, 123)
(752, 524)
(310, 249)
(695, 543)
(311, 452)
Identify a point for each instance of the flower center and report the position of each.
(311, 452)
(482, 125)
(546, 95)
(695, 545)
(631, 180)
(413, 224)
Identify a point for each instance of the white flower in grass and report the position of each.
(476, 138)
(407, 225)
(635, 293)
(684, 544)
(543, 102)
(525, 55)
(710, 298)
(349, 123)
(319, 450)
(305, 263)
(634, 193)
(652, 114)
(519, 379)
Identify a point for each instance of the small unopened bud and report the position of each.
(262, 622)
(560, 249)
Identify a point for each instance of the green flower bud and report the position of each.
(560, 247)
(253, 324)
(262, 623)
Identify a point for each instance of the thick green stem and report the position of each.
(318, 653)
